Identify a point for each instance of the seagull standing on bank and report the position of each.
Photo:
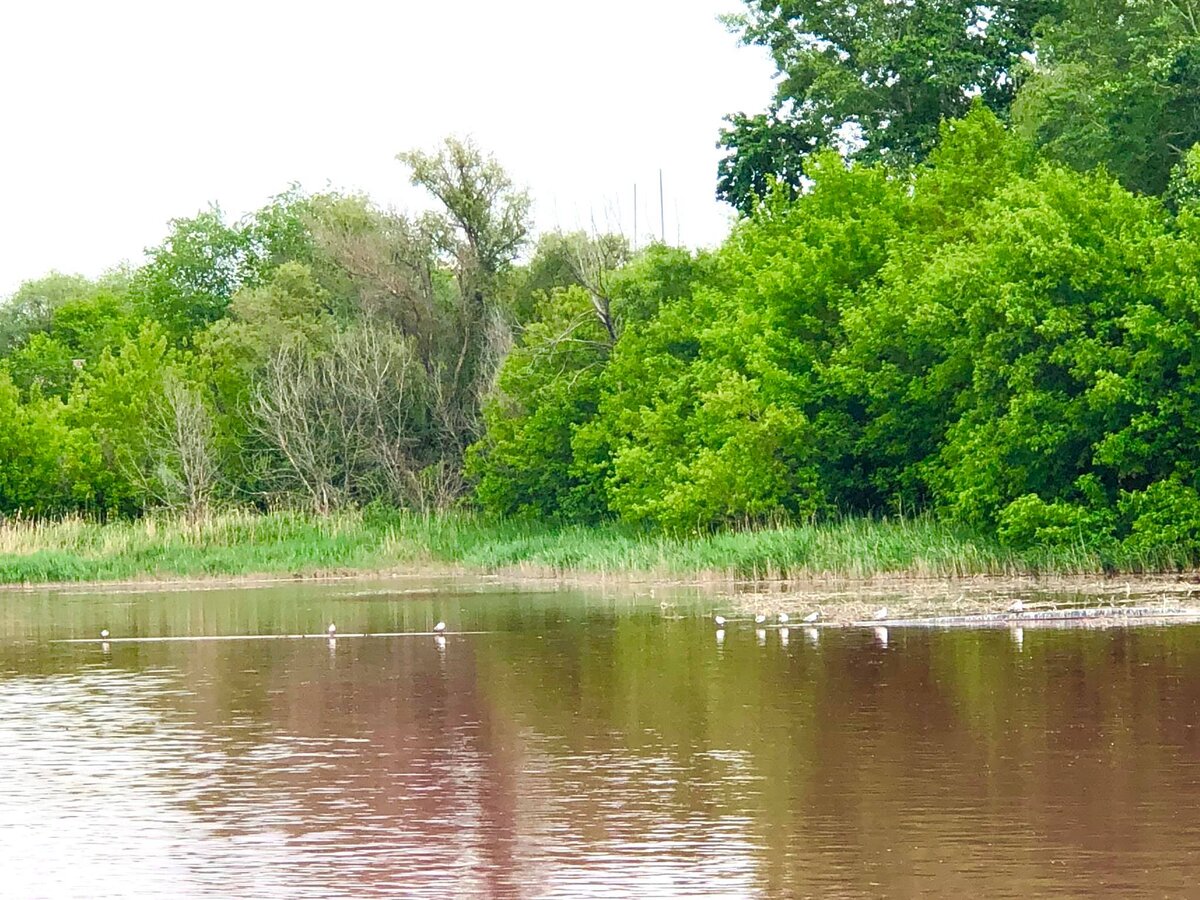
(881, 613)
(331, 630)
(720, 620)
(759, 619)
(812, 617)
(439, 627)
(784, 618)
(1017, 606)
(104, 634)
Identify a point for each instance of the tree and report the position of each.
(1116, 83)
(488, 216)
(342, 419)
(119, 401)
(436, 279)
(179, 469)
(874, 78)
(47, 467)
(32, 307)
(191, 276)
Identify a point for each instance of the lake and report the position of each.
(581, 744)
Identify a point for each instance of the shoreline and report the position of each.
(842, 600)
(922, 565)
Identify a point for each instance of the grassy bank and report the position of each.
(289, 543)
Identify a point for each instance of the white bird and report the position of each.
(104, 634)
(812, 616)
(784, 619)
(1016, 606)
(759, 619)
(881, 613)
(439, 627)
(331, 630)
(720, 620)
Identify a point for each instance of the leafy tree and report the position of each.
(41, 466)
(1116, 83)
(119, 402)
(875, 78)
(190, 278)
(543, 453)
(486, 214)
(29, 309)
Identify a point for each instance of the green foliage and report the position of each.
(191, 277)
(29, 309)
(1029, 522)
(980, 333)
(1163, 520)
(1116, 84)
(50, 465)
(874, 77)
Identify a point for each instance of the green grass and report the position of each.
(293, 543)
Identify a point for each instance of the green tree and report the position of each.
(1116, 83)
(46, 465)
(543, 454)
(875, 78)
(192, 275)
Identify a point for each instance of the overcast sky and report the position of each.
(116, 116)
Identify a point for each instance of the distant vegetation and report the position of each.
(964, 291)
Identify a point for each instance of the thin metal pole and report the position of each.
(635, 239)
(662, 216)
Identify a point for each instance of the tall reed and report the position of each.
(296, 543)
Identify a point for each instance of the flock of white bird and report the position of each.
(880, 615)
(1017, 606)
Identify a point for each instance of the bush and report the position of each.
(1030, 521)
(1163, 519)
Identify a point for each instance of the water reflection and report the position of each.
(582, 749)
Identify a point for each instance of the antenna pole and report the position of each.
(635, 217)
(662, 216)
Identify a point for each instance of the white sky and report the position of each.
(116, 116)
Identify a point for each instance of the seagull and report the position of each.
(783, 618)
(439, 627)
(1016, 606)
(881, 613)
(812, 616)
(720, 620)
(759, 619)
(104, 634)
(331, 630)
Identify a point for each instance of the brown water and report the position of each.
(583, 746)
